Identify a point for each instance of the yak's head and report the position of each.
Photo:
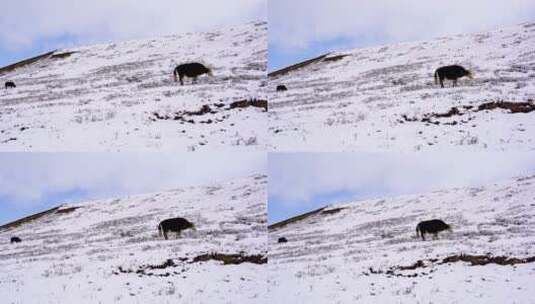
(192, 226)
(469, 74)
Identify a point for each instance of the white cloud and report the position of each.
(27, 178)
(296, 24)
(296, 179)
(24, 22)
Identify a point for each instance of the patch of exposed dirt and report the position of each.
(62, 55)
(431, 118)
(418, 264)
(67, 210)
(186, 116)
(259, 103)
(295, 219)
(296, 66)
(335, 58)
(474, 260)
(231, 259)
(148, 270)
(182, 263)
(332, 211)
(513, 107)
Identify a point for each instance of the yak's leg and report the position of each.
(165, 234)
(435, 236)
(181, 81)
(441, 82)
(423, 236)
(195, 79)
(454, 83)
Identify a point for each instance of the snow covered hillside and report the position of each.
(384, 98)
(122, 96)
(368, 251)
(109, 251)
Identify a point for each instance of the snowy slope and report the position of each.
(94, 253)
(104, 97)
(328, 256)
(355, 100)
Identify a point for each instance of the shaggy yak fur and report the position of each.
(451, 72)
(431, 227)
(174, 224)
(192, 70)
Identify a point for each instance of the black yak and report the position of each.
(174, 224)
(451, 72)
(282, 240)
(192, 69)
(10, 84)
(281, 88)
(432, 227)
(15, 239)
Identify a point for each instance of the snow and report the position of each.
(102, 97)
(75, 257)
(356, 103)
(328, 256)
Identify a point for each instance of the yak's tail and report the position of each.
(160, 230)
(417, 230)
(436, 77)
(175, 73)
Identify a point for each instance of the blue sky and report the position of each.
(31, 182)
(31, 27)
(39, 46)
(280, 57)
(280, 209)
(34, 26)
(10, 211)
(301, 182)
(301, 29)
